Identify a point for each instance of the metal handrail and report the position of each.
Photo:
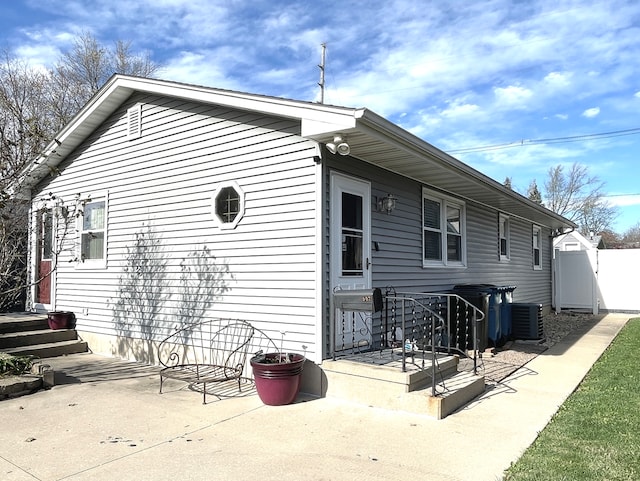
(477, 316)
(403, 298)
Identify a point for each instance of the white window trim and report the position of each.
(219, 222)
(507, 235)
(445, 201)
(536, 229)
(92, 263)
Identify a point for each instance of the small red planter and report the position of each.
(61, 320)
(277, 383)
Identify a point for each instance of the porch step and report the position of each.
(29, 334)
(29, 338)
(384, 385)
(51, 349)
(10, 323)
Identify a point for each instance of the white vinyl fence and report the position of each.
(605, 279)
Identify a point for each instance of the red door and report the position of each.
(45, 255)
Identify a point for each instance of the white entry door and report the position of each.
(350, 252)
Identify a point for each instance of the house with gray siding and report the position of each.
(162, 203)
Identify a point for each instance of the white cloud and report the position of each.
(512, 97)
(557, 80)
(485, 74)
(459, 109)
(623, 200)
(592, 112)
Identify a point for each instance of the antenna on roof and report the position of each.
(321, 66)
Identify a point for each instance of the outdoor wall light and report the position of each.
(339, 146)
(387, 204)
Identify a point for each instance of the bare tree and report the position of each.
(611, 239)
(595, 215)
(34, 105)
(631, 237)
(88, 65)
(578, 196)
(25, 125)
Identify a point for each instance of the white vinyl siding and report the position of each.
(398, 244)
(163, 232)
(444, 242)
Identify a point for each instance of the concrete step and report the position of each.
(363, 370)
(43, 336)
(22, 322)
(19, 385)
(383, 384)
(52, 349)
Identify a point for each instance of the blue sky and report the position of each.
(539, 82)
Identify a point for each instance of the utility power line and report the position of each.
(554, 140)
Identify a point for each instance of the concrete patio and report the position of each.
(105, 420)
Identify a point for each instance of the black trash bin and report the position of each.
(496, 310)
(506, 295)
(480, 297)
(460, 322)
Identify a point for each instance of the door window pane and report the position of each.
(351, 211)
(351, 253)
(352, 235)
(47, 234)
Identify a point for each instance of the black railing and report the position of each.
(457, 329)
(417, 324)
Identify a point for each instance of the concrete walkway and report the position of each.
(107, 422)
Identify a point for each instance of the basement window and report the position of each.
(228, 205)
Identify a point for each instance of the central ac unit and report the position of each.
(526, 320)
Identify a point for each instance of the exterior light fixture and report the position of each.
(339, 146)
(387, 204)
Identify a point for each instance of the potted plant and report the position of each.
(61, 320)
(277, 376)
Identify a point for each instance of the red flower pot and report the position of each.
(277, 382)
(61, 320)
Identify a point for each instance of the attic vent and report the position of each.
(134, 122)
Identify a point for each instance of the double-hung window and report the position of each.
(537, 247)
(443, 230)
(504, 237)
(93, 232)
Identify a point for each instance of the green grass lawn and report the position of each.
(596, 433)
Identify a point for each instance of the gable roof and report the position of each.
(592, 242)
(372, 139)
